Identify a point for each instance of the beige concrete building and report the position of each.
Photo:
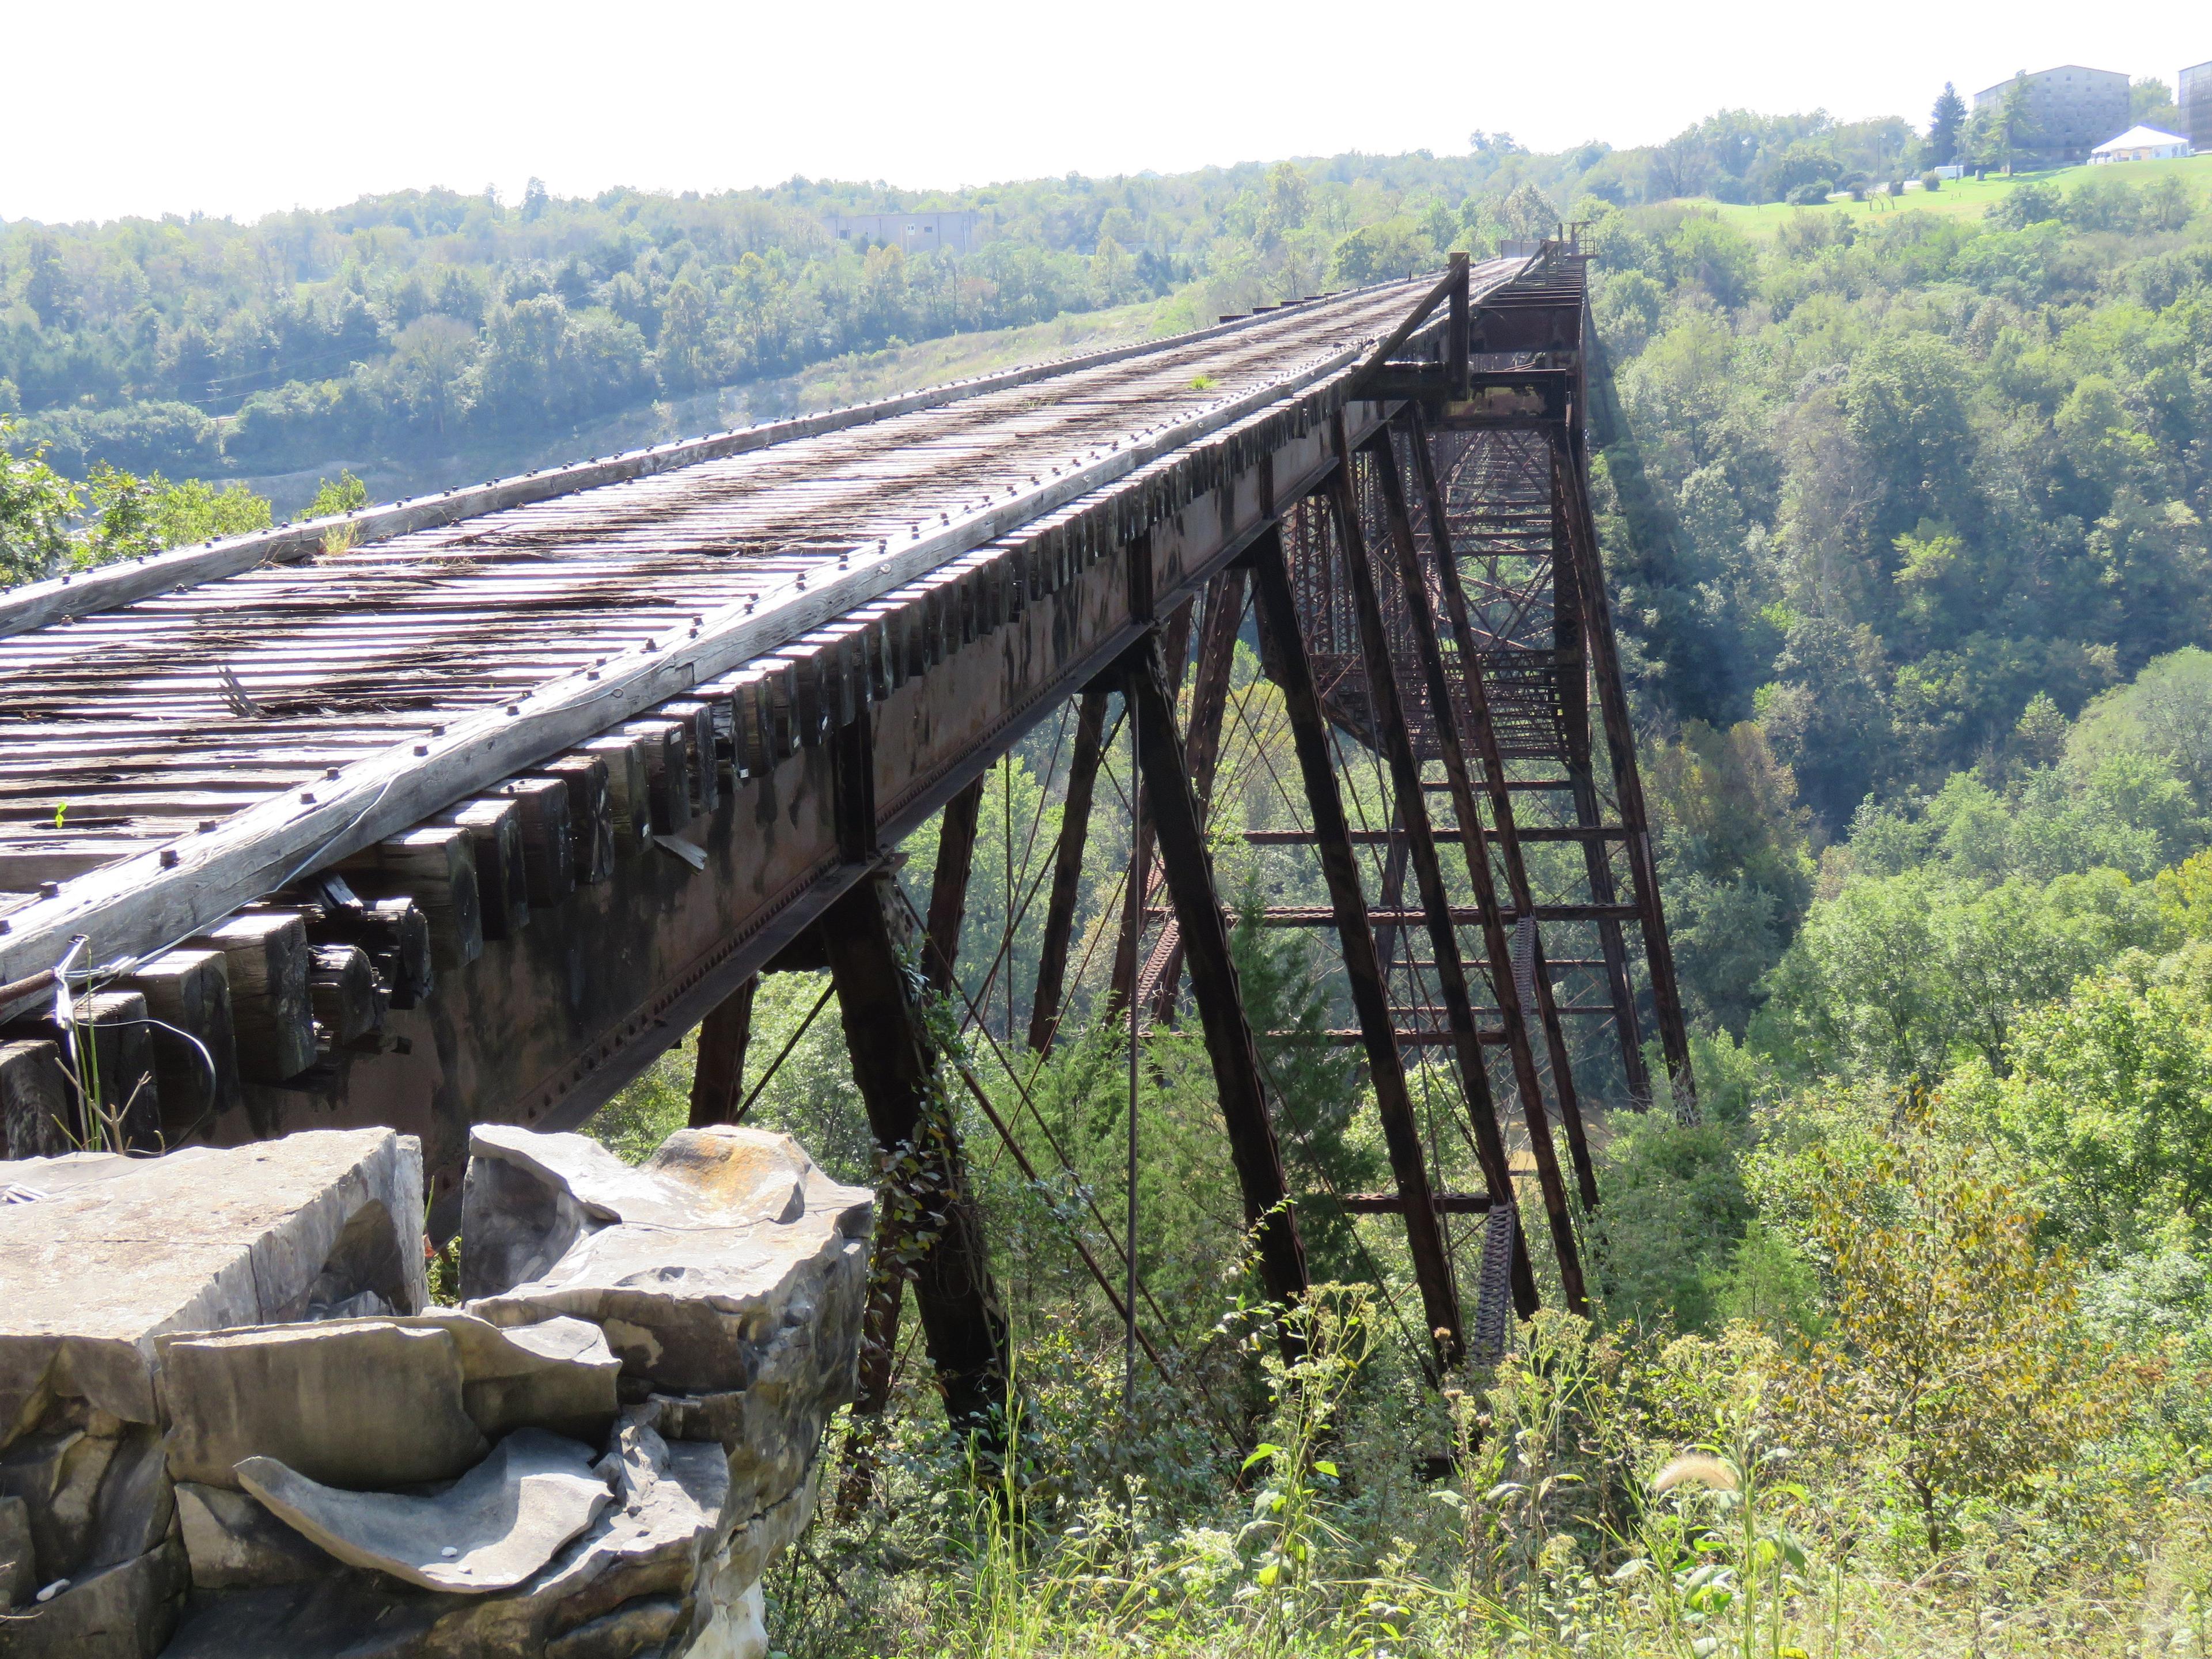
(2194, 94)
(2070, 110)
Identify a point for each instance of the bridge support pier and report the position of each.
(1293, 671)
(718, 1077)
(1067, 869)
(1389, 715)
(1180, 830)
(927, 1227)
(948, 885)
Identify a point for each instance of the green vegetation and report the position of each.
(1905, 1348)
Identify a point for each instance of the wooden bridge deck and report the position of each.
(466, 808)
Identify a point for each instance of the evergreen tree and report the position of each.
(1945, 123)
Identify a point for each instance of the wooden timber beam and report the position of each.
(1436, 902)
(1293, 671)
(141, 904)
(1214, 989)
(644, 933)
(36, 603)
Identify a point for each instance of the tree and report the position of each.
(1528, 212)
(1953, 1356)
(2015, 120)
(344, 494)
(685, 358)
(1946, 124)
(2110, 1097)
(2150, 103)
(430, 359)
(1680, 167)
(36, 505)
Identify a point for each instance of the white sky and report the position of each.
(243, 108)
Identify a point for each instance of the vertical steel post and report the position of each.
(948, 886)
(718, 1075)
(1503, 963)
(1389, 717)
(1627, 784)
(1293, 671)
(1229, 1043)
(1067, 869)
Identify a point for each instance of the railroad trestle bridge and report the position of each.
(467, 808)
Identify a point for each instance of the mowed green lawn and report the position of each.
(1966, 196)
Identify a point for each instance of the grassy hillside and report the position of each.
(1968, 197)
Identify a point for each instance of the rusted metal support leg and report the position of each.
(1459, 331)
(1293, 671)
(1389, 715)
(1627, 784)
(718, 1078)
(894, 1065)
(948, 886)
(1504, 827)
(1568, 632)
(1067, 870)
(1505, 964)
(1392, 895)
(1129, 950)
(1229, 1043)
(1209, 704)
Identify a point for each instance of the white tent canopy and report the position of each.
(2139, 140)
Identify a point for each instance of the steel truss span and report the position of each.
(467, 808)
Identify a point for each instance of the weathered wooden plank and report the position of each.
(195, 1046)
(436, 867)
(629, 791)
(36, 603)
(131, 906)
(549, 853)
(583, 778)
(495, 831)
(38, 1118)
(266, 960)
(343, 991)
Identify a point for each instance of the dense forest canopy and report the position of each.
(436, 335)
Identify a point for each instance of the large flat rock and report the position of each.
(491, 1529)
(119, 1250)
(692, 1264)
(373, 1404)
